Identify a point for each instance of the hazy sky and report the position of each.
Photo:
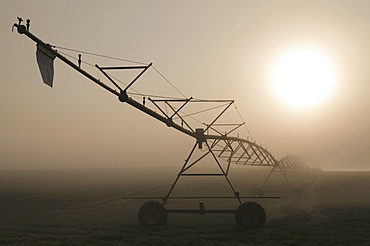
(207, 49)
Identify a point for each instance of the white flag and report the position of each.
(45, 61)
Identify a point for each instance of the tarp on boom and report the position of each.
(45, 60)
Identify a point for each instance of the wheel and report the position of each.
(296, 193)
(257, 192)
(250, 215)
(152, 213)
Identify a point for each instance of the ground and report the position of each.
(86, 207)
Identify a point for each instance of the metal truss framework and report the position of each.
(222, 146)
(292, 162)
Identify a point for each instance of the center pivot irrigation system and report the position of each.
(215, 141)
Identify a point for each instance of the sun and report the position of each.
(303, 77)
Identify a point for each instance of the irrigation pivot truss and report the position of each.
(216, 139)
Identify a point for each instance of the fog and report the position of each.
(208, 50)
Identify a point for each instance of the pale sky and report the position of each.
(207, 49)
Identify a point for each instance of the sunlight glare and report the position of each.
(303, 77)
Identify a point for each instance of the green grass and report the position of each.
(339, 230)
(42, 209)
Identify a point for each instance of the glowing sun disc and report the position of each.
(303, 77)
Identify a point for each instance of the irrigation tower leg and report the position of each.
(179, 174)
(272, 170)
(188, 165)
(236, 194)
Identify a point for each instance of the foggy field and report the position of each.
(85, 207)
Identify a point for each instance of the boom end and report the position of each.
(21, 28)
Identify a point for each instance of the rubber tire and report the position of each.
(296, 193)
(152, 213)
(250, 215)
(257, 192)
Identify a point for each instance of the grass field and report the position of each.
(85, 207)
